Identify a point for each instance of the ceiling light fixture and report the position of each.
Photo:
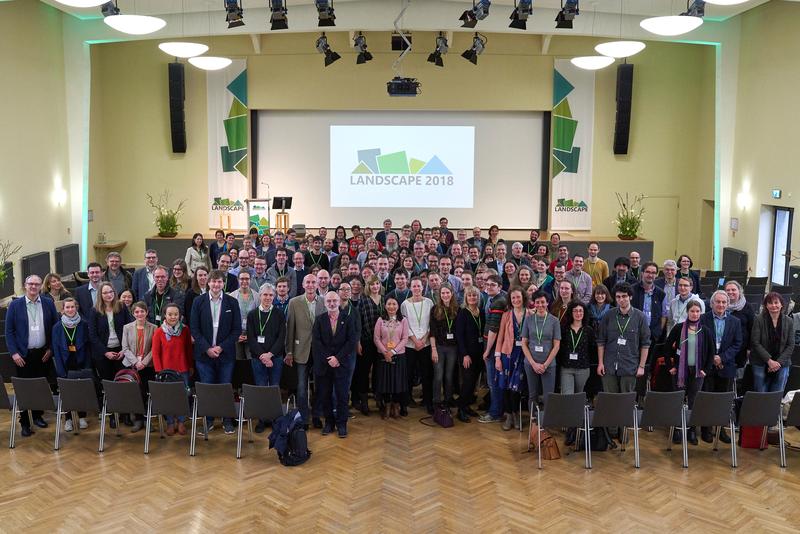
(519, 17)
(478, 46)
(130, 24)
(360, 44)
(82, 3)
(442, 46)
(620, 49)
(479, 11)
(183, 49)
(234, 13)
(324, 48)
(327, 17)
(673, 25)
(210, 62)
(592, 62)
(278, 19)
(569, 10)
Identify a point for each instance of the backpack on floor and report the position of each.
(288, 438)
(168, 375)
(127, 375)
(599, 440)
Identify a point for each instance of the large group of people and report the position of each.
(380, 314)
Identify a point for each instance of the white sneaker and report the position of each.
(82, 424)
(68, 425)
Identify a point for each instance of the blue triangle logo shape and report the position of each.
(434, 166)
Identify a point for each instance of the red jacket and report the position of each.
(175, 354)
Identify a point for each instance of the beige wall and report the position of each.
(671, 151)
(766, 155)
(33, 136)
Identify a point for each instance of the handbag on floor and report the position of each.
(550, 449)
(442, 416)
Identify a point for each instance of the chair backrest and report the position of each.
(78, 394)
(564, 410)
(33, 394)
(760, 409)
(5, 402)
(614, 409)
(263, 402)
(662, 408)
(123, 397)
(169, 398)
(793, 419)
(711, 409)
(215, 400)
(793, 382)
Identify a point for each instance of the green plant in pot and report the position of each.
(630, 216)
(7, 251)
(166, 218)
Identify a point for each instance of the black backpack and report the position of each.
(289, 439)
(599, 440)
(168, 375)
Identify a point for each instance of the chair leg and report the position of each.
(782, 444)
(636, 438)
(240, 429)
(76, 427)
(147, 425)
(116, 420)
(161, 426)
(685, 449)
(103, 415)
(624, 440)
(194, 428)
(530, 425)
(716, 439)
(58, 424)
(520, 414)
(734, 458)
(763, 444)
(250, 430)
(13, 430)
(205, 428)
(670, 433)
(586, 438)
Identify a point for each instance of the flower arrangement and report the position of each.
(630, 217)
(7, 251)
(166, 218)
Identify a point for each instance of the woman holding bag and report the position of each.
(510, 363)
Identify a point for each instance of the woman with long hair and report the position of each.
(106, 323)
(199, 287)
(444, 349)
(566, 294)
(738, 307)
(137, 351)
(219, 246)
(470, 323)
(509, 270)
(576, 354)
(772, 345)
(510, 364)
(523, 277)
(339, 236)
(53, 288)
(126, 298)
(599, 305)
(541, 276)
(371, 308)
(197, 254)
(179, 278)
(391, 373)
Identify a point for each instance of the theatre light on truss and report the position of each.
(673, 25)
(278, 19)
(324, 48)
(183, 49)
(519, 17)
(442, 47)
(234, 13)
(360, 44)
(569, 10)
(326, 14)
(82, 3)
(478, 46)
(210, 62)
(620, 49)
(479, 11)
(130, 24)
(592, 62)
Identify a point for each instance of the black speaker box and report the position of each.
(177, 95)
(622, 128)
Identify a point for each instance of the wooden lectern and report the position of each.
(282, 218)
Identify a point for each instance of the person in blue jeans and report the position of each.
(266, 337)
(771, 346)
(495, 307)
(216, 323)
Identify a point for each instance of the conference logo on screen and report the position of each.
(397, 168)
(226, 204)
(570, 205)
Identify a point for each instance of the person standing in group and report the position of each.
(621, 274)
(595, 266)
(197, 254)
(114, 273)
(180, 279)
(371, 309)
(649, 299)
(29, 330)
(143, 280)
(685, 265)
(391, 374)
(303, 311)
(444, 348)
(172, 349)
(677, 308)
(218, 247)
(566, 294)
(598, 306)
(737, 305)
(106, 326)
(161, 295)
(199, 287)
(87, 294)
(772, 345)
(266, 337)
(469, 337)
(54, 288)
(248, 301)
(334, 339)
(71, 351)
(509, 366)
(580, 280)
(576, 354)
(417, 311)
(215, 326)
(541, 340)
(137, 350)
(494, 308)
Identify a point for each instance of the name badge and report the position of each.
(450, 336)
(296, 341)
(72, 348)
(718, 345)
(390, 345)
(518, 343)
(678, 352)
(573, 356)
(34, 328)
(622, 341)
(158, 317)
(538, 348)
(244, 324)
(480, 340)
(260, 339)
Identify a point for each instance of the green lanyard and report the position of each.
(263, 325)
(623, 328)
(574, 342)
(33, 313)
(315, 262)
(448, 321)
(71, 338)
(157, 304)
(522, 325)
(539, 333)
(477, 321)
(690, 333)
(418, 314)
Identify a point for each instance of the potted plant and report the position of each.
(166, 218)
(7, 251)
(630, 217)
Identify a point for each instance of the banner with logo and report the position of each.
(571, 163)
(228, 135)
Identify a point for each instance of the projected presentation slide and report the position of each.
(402, 166)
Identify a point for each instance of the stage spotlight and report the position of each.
(479, 11)
(325, 10)
(697, 9)
(441, 48)
(569, 11)
(478, 45)
(109, 9)
(519, 17)
(325, 49)
(234, 13)
(360, 44)
(278, 19)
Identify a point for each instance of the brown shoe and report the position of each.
(170, 429)
(395, 410)
(181, 429)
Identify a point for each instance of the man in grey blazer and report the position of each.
(303, 311)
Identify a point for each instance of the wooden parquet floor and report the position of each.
(393, 476)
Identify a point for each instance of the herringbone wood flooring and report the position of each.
(393, 476)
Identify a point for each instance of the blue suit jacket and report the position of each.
(17, 325)
(202, 327)
(325, 343)
(730, 344)
(656, 308)
(61, 351)
(99, 332)
(85, 302)
(140, 284)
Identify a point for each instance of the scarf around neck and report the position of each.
(171, 331)
(70, 322)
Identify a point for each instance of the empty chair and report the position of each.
(707, 289)
(211, 400)
(617, 410)
(74, 395)
(714, 409)
(793, 382)
(562, 411)
(666, 408)
(781, 289)
(742, 279)
(710, 281)
(6, 402)
(757, 281)
(764, 409)
(257, 402)
(713, 274)
(29, 394)
(118, 397)
(165, 398)
(793, 418)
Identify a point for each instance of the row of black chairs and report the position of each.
(663, 409)
(164, 399)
